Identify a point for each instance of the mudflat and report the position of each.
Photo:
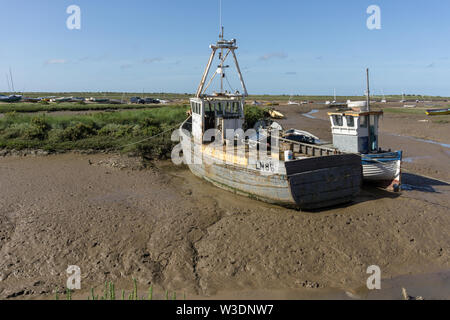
(119, 218)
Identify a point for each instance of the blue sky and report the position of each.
(285, 46)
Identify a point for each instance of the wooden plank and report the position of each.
(299, 166)
(326, 175)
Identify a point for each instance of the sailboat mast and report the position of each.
(368, 90)
(7, 81)
(12, 82)
(221, 64)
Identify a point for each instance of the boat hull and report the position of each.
(307, 184)
(434, 112)
(383, 169)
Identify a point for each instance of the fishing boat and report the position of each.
(268, 167)
(438, 112)
(356, 131)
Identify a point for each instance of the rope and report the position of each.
(152, 137)
(361, 156)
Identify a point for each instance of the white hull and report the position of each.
(386, 173)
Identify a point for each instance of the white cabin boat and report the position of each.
(357, 132)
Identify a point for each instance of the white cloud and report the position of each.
(126, 66)
(151, 60)
(278, 55)
(56, 61)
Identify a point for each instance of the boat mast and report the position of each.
(12, 82)
(221, 45)
(368, 109)
(7, 81)
(368, 90)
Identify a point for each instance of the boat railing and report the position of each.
(310, 149)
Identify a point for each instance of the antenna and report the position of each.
(220, 19)
(368, 90)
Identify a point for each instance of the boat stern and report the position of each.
(384, 169)
(321, 182)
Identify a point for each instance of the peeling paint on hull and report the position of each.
(309, 183)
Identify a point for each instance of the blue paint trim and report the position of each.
(382, 157)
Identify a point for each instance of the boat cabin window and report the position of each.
(363, 121)
(196, 107)
(350, 121)
(208, 107)
(337, 121)
(236, 107)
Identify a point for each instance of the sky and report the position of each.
(285, 46)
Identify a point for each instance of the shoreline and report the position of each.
(120, 219)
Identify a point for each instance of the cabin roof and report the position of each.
(355, 113)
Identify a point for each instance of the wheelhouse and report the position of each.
(355, 132)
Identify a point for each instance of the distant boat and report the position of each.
(46, 99)
(101, 100)
(438, 112)
(32, 100)
(60, 100)
(384, 98)
(403, 98)
(274, 114)
(301, 136)
(293, 102)
(11, 98)
(357, 104)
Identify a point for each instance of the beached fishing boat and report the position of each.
(269, 168)
(438, 112)
(355, 130)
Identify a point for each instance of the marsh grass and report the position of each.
(405, 110)
(114, 131)
(45, 106)
(109, 294)
(122, 131)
